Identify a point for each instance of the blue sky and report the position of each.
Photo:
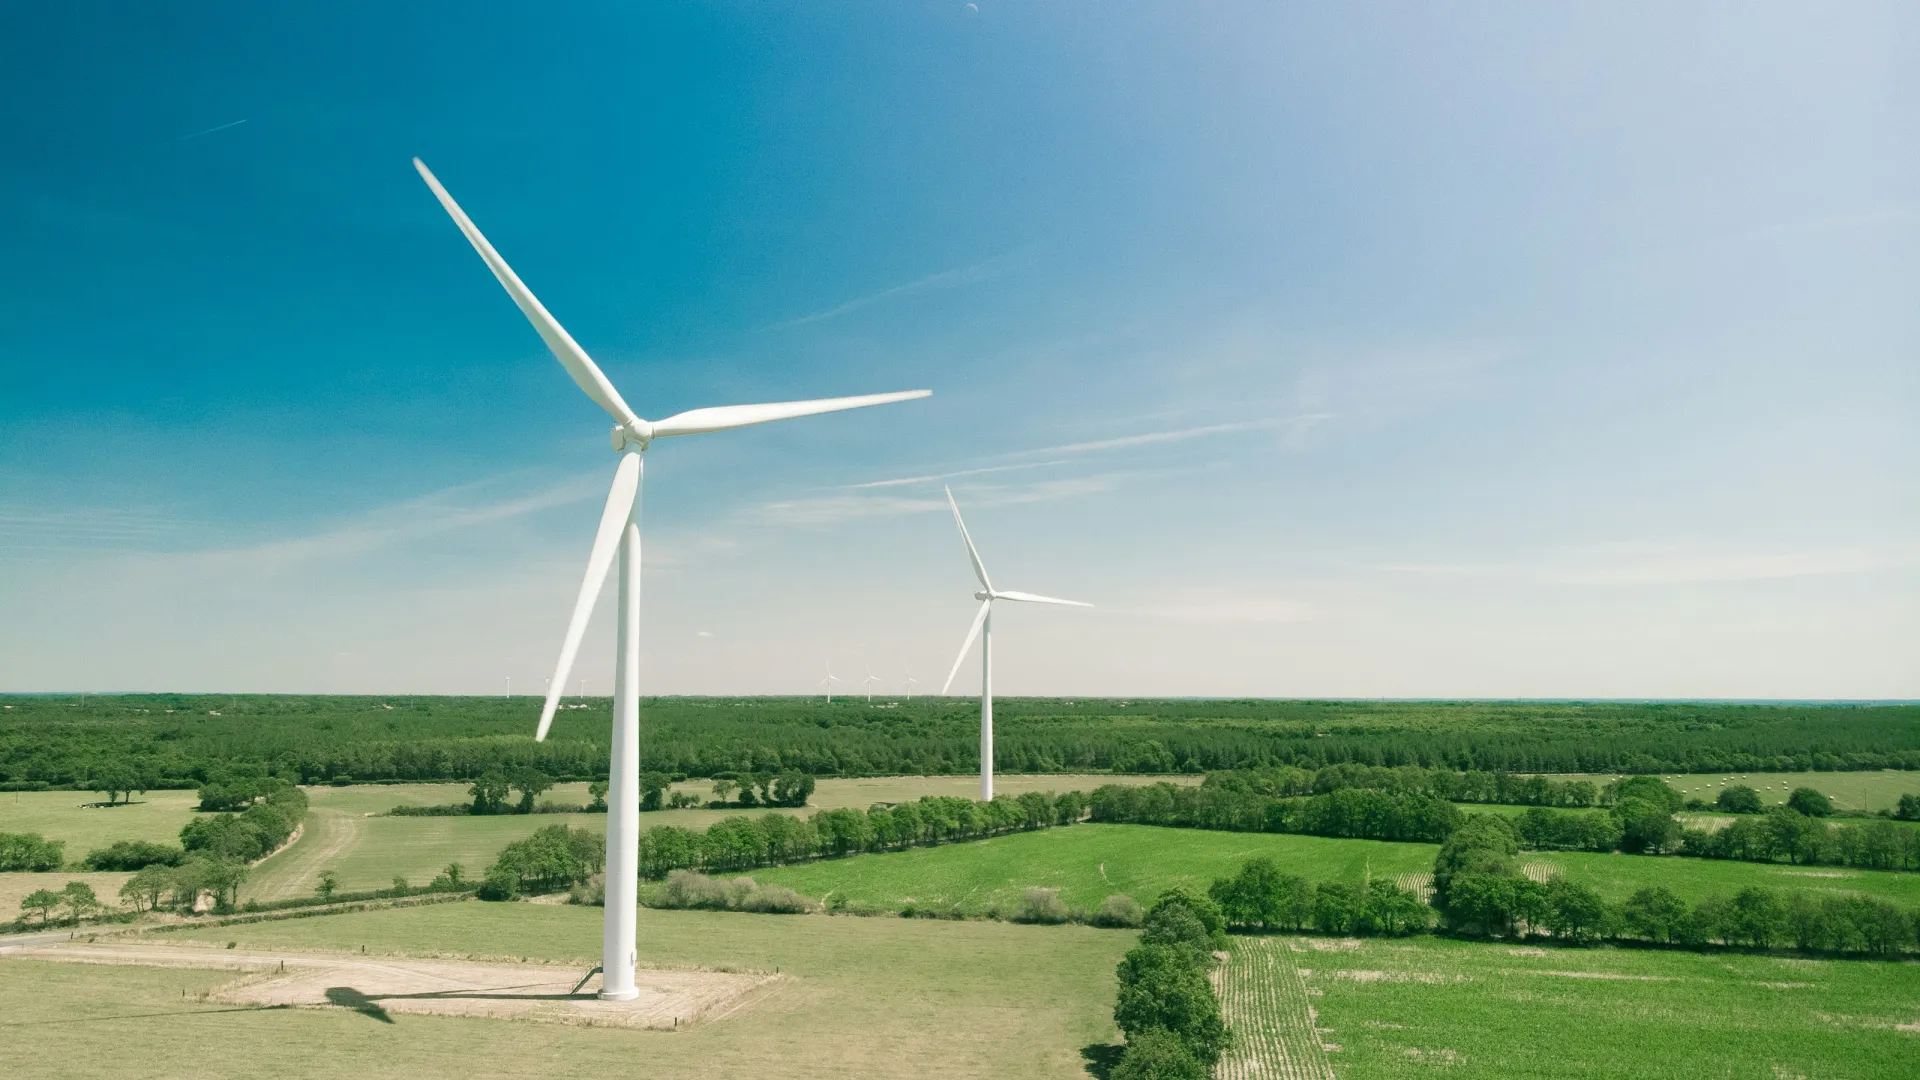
(1407, 350)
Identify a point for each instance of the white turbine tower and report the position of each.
(868, 682)
(911, 683)
(983, 629)
(829, 681)
(620, 531)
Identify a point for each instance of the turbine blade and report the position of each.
(571, 356)
(1036, 598)
(613, 521)
(972, 632)
(722, 417)
(979, 568)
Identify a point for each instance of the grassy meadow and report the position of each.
(1087, 863)
(156, 816)
(1865, 792)
(879, 998)
(1413, 1007)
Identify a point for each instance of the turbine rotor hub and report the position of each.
(983, 596)
(624, 436)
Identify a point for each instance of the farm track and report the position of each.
(1264, 1002)
(328, 835)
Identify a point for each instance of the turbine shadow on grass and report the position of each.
(348, 998)
(1101, 1058)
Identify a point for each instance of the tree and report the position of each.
(794, 788)
(328, 884)
(1756, 917)
(1574, 912)
(145, 888)
(652, 786)
(42, 901)
(1908, 808)
(1739, 799)
(1795, 835)
(490, 792)
(1162, 989)
(80, 900)
(1484, 845)
(116, 780)
(134, 855)
(1654, 913)
(723, 790)
(597, 796)
(532, 783)
(1810, 802)
(1157, 1054)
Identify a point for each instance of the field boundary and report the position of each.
(1264, 1001)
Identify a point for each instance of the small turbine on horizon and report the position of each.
(619, 533)
(983, 629)
(868, 682)
(829, 681)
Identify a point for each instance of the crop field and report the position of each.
(1616, 876)
(1405, 1008)
(867, 997)
(1087, 863)
(1868, 791)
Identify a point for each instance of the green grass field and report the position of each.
(879, 998)
(1414, 1007)
(1616, 876)
(1086, 863)
(156, 816)
(367, 851)
(1869, 792)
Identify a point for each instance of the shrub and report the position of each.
(1119, 911)
(1041, 905)
(1810, 802)
(1739, 799)
(134, 855)
(1158, 1054)
(30, 852)
(687, 889)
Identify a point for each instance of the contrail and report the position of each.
(210, 131)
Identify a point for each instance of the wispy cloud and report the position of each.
(1638, 563)
(945, 279)
(905, 481)
(832, 509)
(211, 130)
(1151, 438)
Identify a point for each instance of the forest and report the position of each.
(115, 742)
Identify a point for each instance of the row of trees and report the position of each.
(742, 843)
(1452, 785)
(1478, 888)
(1349, 812)
(1166, 1006)
(184, 741)
(1261, 897)
(182, 887)
(553, 858)
(252, 833)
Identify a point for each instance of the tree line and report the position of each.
(743, 843)
(121, 743)
(1638, 819)
(1166, 1005)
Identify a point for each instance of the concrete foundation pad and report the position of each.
(382, 987)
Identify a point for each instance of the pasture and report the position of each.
(1087, 863)
(1868, 791)
(867, 997)
(156, 816)
(1405, 1008)
(368, 851)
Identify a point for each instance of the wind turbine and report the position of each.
(829, 681)
(983, 629)
(868, 682)
(911, 683)
(619, 531)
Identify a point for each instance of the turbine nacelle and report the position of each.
(624, 436)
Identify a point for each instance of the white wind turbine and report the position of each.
(868, 682)
(829, 681)
(620, 531)
(911, 683)
(983, 629)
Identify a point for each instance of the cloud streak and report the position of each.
(945, 279)
(211, 130)
(1669, 564)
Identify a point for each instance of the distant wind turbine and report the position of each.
(829, 681)
(619, 532)
(868, 683)
(911, 683)
(983, 629)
